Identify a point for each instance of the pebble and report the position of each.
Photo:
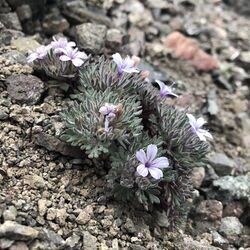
(10, 214)
(230, 226)
(197, 176)
(210, 210)
(85, 215)
(10, 20)
(13, 230)
(25, 88)
(89, 241)
(91, 37)
(222, 164)
(73, 240)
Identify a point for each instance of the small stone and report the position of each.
(114, 38)
(210, 210)
(61, 216)
(72, 240)
(136, 247)
(24, 12)
(10, 214)
(197, 176)
(221, 164)
(115, 244)
(230, 226)
(4, 113)
(85, 215)
(15, 231)
(231, 187)
(5, 243)
(10, 21)
(25, 88)
(234, 208)
(129, 226)
(19, 246)
(25, 44)
(218, 240)
(51, 214)
(91, 37)
(42, 207)
(213, 107)
(52, 237)
(89, 241)
(35, 181)
(54, 23)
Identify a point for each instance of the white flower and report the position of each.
(196, 127)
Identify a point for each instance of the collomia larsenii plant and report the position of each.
(152, 147)
(115, 111)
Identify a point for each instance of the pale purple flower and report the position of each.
(196, 127)
(149, 162)
(165, 90)
(124, 65)
(40, 53)
(61, 43)
(73, 55)
(109, 112)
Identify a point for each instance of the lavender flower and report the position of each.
(125, 65)
(73, 55)
(109, 111)
(40, 53)
(165, 90)
(150, 164)
(61, 43)
(196, 127)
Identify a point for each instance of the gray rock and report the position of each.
(209, 210)
(230, 226)
(54, 23)
(11, 21)
(51, 214)
(129, 226)
(114, 38)
(34, 181)
(218, 240)
(233, 187)
(25, 88)
(5, 36)
(72, 240)
(85, 215)
(10, 214)
(213, 107)
(77, 11)
(136, 247)
(42, 206)
(24, 12)
(5, 243)
(15, 231)
(89, 241)
(54, 144)
(19, 246)
(91, 37)
(4, 113)
(15, 56)
(4, 7)
(25, 44)
(221, 164)
(51, 237)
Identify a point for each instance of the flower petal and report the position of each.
(156, 173)
(205, 133)
(161, 84)
(77, 62)
(71, 44)
(82, 55)
(161, 162)
(117, 59)
(151, 152)
(142, 170)
(201, 135)
(141, 156)
(200, 122)
(130, 70)
(64, 58)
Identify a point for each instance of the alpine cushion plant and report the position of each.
(150, 146)
(59, 59)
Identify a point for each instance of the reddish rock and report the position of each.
(186, 48)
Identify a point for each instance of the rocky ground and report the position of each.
(51, 195)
